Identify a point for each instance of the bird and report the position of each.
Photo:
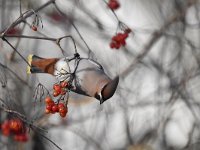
(86, 76)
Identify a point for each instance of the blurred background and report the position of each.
(156, 105)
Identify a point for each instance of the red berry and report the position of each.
(47, 111)
(63, 110)
(55, 108)
(49, 106)
(118, 40)
(16, 125)
(60, 105)
(63, 92)
(64, 84)
(112, 45)
(57, 90)
(34, 28)
(56, 87)
(115, 38)
(63, 114)
(125, 35)
(6, 132)
(113, 4)
(5, 128)
(5, 125)
(48, 100)
(119, 34)
(55, 93)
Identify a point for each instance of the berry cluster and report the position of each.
(119, 39)
(52, 107)
(16, 128)
(60, 89)
(113, 4)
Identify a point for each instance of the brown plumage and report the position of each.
(46, 65)
(42, 65)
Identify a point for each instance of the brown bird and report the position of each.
(87, 77)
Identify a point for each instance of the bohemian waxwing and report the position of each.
(87, 76)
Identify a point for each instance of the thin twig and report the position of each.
(20, 7)
(67, 36)
(29, 37)
(57, 40)
(49, 140)
(4, 39)
(12, 56)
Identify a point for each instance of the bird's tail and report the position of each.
(40, 65)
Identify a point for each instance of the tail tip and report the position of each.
(28, 70)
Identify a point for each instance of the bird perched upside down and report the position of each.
(85, 76)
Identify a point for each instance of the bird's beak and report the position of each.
(109, 89)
